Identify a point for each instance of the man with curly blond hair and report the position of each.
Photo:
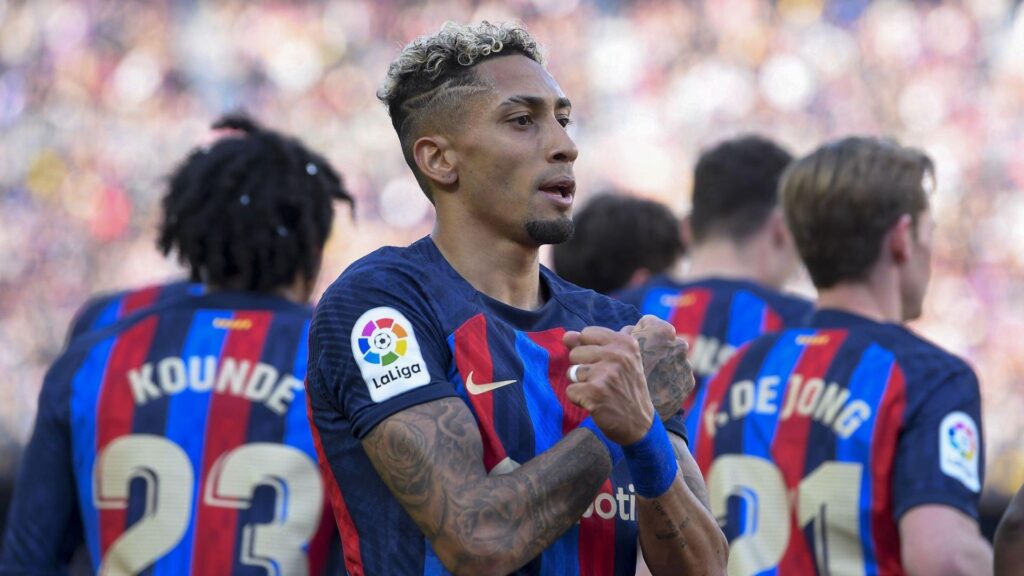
(475, 413)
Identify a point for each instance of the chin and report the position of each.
(550, 231)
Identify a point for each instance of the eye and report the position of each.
(523, 120)
(565, 121)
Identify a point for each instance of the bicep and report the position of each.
(424, 451)
(939, 539)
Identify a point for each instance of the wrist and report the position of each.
(652, 461)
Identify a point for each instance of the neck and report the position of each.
(722, 258)
(503, 269)
(297, 292)
(872, 299)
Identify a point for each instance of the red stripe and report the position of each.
(770, 321)
(883, 455)
(597, 541)
(717, 387)
(558, 378)
(135, 301)
(789, 448)
(688, 313)
(116, 409)
(473, 356)
(227, 423)
(347, 528)
(320, 546)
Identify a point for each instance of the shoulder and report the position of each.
(792, 307)
(593, 308)
(925, 358)
(390, 276)
(107, 308)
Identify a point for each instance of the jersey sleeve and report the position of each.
(376, 349)
(940, 454)
(43, 524)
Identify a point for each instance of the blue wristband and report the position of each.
(652, 461)
(614, 450)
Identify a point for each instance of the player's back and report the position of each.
(815, 441)
(716, 316)
(187, 435)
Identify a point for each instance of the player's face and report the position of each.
(515, 157)
(919, 267)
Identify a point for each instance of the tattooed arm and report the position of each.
(678, 534)
(430, 457)
(676, 529)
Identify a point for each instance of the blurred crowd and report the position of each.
(99, 98)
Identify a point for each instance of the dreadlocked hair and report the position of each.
(251, 211)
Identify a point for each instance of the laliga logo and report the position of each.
(962, 439)
(383, 341)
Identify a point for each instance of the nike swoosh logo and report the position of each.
(474, 388)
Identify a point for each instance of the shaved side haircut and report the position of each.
(433, 78)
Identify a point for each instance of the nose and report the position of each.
(562, 149)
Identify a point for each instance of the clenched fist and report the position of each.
(669, 375)
(608, 381)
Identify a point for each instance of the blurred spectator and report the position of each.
(619, 241)
(95, 95)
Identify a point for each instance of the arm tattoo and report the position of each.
(692, 477)
(669, 377)
(431, 458)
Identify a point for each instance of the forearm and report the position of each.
(1009, 540)
(677, 530)
(476, 523)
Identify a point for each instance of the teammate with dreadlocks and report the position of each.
(172, 433)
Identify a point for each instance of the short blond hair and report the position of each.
(433, 76)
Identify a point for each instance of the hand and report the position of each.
(610, 382)
(669, 375)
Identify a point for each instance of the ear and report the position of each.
(900, 239)
(436, 160)
(686, 230)
(777, 229)
(640, 275)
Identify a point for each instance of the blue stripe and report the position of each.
(109, 315)
(692, 418)
(296, 432)
(745, 315)
(759, 429)
(562, 557)
(186, 427)
(541, 401)
(431, 563)
(867, 383)
(85, 393)
(655, 302)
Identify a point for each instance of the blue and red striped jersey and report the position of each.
(106, 309)
(716, 316)
(401, 327)
(815, 441)
(176, 441)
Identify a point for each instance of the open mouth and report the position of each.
(561, 190)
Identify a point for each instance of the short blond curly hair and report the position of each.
(433, 76)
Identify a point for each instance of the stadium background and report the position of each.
(99, 98)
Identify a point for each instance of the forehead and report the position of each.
(517, 75)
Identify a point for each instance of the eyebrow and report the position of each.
(536, 101)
